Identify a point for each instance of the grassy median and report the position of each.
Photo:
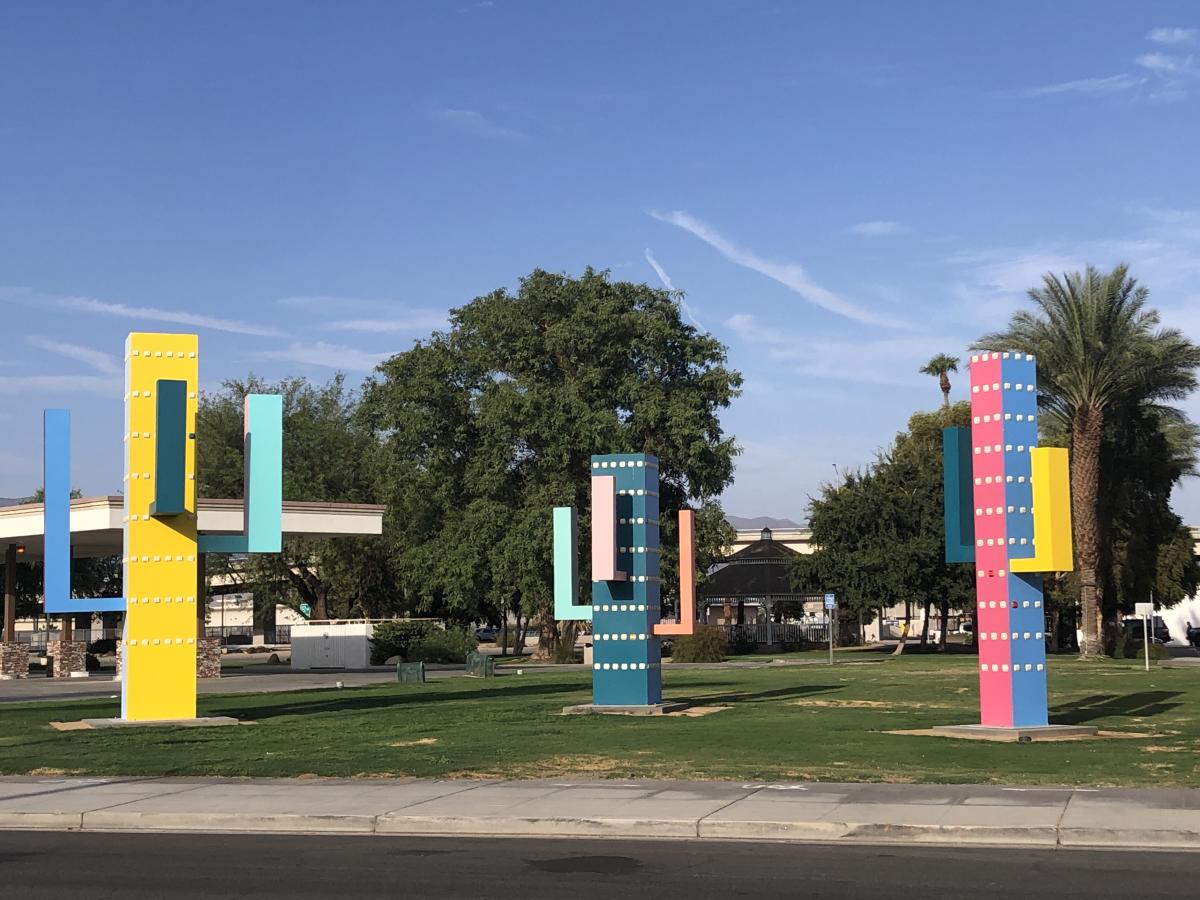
(805, 722)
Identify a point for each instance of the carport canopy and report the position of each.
(97, 523)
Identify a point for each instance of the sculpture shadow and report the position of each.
(791, 692)
(1140, 704)
(352, 701)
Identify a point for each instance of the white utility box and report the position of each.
(332, 645)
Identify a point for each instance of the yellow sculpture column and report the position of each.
(159, 667)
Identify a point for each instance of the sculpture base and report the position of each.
(199, 722)
(654, 709)
(1017, 734)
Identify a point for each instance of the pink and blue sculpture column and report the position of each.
(993, 464)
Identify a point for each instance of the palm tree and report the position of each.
(1099, 350)
(941, 366)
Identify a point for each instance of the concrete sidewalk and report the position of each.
(863, 813)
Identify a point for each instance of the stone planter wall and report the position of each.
(68, 656)
(14, 659)
(208, 658)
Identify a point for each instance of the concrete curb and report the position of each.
(516, 826)
(1045, 817)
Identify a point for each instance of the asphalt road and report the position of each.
(37, 865)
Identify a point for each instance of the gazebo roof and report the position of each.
(758, 571)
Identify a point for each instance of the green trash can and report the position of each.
(480, 665)
(410, 673)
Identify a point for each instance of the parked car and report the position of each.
(487, 634)
(1159, 633)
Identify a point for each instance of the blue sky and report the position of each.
(842, 190)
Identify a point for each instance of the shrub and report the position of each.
(449, 646)
(396, 638)
(706, 645)
(1134, 649)
(742, 641)
(103, 646)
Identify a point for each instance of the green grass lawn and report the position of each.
(785, 723)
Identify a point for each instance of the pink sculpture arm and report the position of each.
(687, 579)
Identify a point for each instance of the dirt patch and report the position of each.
(71, 726)
(580, 765)
(1160, 749)
(867, 704)
(419, 742)
(694, 712)
(53, 773)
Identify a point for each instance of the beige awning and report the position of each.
(96, 522)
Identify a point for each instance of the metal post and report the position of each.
(829, 620)
(10, 593)
(201, 595)
(1146, 639)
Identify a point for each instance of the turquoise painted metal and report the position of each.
(170, 447)
(958, 496)
(262, 480)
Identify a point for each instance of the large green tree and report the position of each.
(327, 456)
(1102, 357)
(878, 531)
(486, 427)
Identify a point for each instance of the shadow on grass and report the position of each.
(321, 701)
(1141, 704)
(787, 693)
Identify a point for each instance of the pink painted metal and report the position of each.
(991, 556)
(687, 579)
(604, 529)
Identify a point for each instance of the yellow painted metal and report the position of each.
(159, 666)
(1051, 480)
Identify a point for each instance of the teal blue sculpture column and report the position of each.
(626, 656)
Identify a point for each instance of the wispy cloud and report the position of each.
(659, 271)
(1110, 85)
(670, 286)
(879, 228)
(383, 316)
(1158, 76)
(410, 322)
(1174, 35)
(151, 314)
(1167, 65)
(104, 363)
(790, 275)
(107, 386)
(327, 356)
(473, 122)
(327, 303)
(890, 361)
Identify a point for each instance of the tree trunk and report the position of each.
(899, 651)
(945, 624)
(1087, 429)
(925, 624)
(944, 381)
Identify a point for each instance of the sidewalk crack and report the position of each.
(723, 806)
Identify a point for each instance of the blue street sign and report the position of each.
(830, 601)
